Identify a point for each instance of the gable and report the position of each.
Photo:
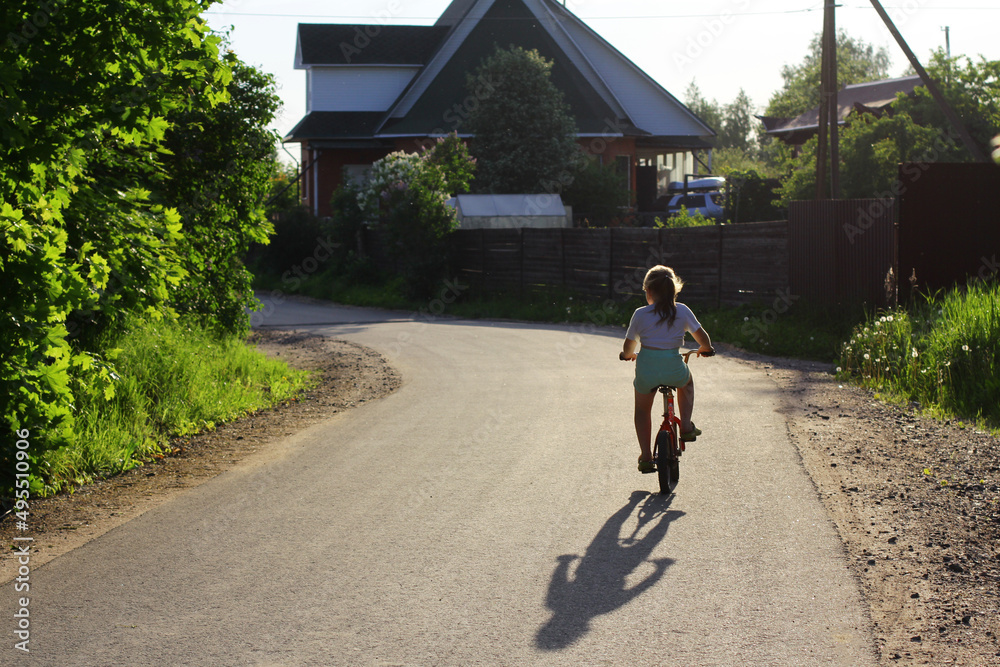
(607, 94)
(441, 105)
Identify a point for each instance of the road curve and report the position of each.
(487, 513)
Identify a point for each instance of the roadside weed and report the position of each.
(940, 352)
(170, 379)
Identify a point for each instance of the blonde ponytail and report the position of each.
(664, 285)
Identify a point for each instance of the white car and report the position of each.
(709, 204)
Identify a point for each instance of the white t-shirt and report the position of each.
(646, 327)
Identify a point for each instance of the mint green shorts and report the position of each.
(656, 367)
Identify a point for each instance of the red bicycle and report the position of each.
(668, 447)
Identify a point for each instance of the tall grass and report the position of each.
(170, 379)
(941, 352)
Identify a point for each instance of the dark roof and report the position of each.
(505, 23)
(338, 44)
(336, 125)
(870, 96)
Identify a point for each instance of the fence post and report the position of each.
(520, 263)
(611, 258)
(482, 258)
(718, 298)
(562, 255)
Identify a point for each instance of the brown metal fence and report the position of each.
(949, 224)
(841, 250)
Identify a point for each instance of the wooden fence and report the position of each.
(729, 264)
(828, 253)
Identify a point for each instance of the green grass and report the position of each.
(941, 352)
(170, 379)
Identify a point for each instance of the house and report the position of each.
(375, 89)
(875, 97)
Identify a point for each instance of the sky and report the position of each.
(723, 46)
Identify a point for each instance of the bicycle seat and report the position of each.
(664, 388)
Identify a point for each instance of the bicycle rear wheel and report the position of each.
(667, 465)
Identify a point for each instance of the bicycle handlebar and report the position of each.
(687, 355)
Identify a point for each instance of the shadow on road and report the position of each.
(599, 583)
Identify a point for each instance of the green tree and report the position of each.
(857, 62)
(871, 148)
(735, 124)
(90, 232)
(738, 125)
(525, 137)
(220, 165)
(709, 112)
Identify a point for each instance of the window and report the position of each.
(357, 173)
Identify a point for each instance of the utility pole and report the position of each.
(947, 41)
(834, 106)
(828, 109)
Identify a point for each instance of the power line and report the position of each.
(589, 18)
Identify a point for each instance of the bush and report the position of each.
(753, 200)
(683, 219)
(597, 193)
(405, 199)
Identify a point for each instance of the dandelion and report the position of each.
(838, 369)
(889, 318)
(867, 356)
(965, 348)
(746, 319)
(914, 353)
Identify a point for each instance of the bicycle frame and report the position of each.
(666, 461)
(671, 422)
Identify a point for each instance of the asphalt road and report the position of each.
(487, 513)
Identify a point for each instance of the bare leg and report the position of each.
(685, 403)
(643, 423)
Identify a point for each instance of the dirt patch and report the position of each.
(916, 503)
(347, 375)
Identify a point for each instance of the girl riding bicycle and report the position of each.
(660, 327)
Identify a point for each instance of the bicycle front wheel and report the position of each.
(667, 465)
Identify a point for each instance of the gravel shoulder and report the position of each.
(915, 500)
